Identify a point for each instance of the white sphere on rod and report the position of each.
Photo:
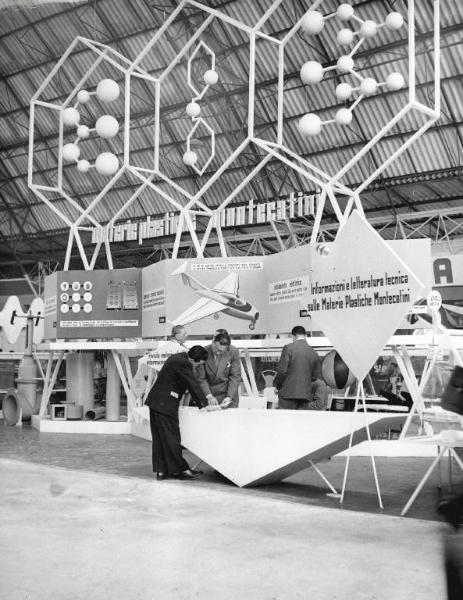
(368, 86)
(343, 116)
(394, 20)
(210, 77)
(107, 126)
(310, 124)
(345, 64)
(190, 158)
(395, 81)
(83, 166)
(83, 132)
(106, 163)
(345, 37)
(83, 96)
(312, 22)
(71, 117)
(368, 29)
(107, 90)
(345, 11)
(71, 152)
(311, 72)
(343, 91)
(193, 109)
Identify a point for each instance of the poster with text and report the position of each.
(93, 304)
(205, 294)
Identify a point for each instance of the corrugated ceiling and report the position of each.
(33, 39)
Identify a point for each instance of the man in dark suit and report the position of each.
(175, 377)
(220, 375)
(299, 364)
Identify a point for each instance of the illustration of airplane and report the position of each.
(451, 315)
(222, 298)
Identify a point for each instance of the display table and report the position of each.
(258, 446)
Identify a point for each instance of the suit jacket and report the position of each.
(299, 364)
(221, 379)
(175, 377)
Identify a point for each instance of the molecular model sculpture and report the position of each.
(357, 83)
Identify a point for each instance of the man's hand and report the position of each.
(226, 402)
(212, 400)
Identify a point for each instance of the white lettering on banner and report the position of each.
(227, 266)
(99, 323)
(153, 298)
(293, 207)
(287, 291)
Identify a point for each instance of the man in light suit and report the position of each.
(299, 364)
(174, 378)
(220, 375)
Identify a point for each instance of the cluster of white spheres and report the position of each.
(310, 124)
(193, 109)
(190, 158)
(107, 126)
(311, 72)
(106, 163)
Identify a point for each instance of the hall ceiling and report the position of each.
(403, 201)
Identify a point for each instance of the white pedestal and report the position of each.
(46, 425)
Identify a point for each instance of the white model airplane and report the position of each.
(222, 298)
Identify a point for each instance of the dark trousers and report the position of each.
(167, 448)
(293, 403)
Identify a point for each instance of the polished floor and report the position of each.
(82, 518)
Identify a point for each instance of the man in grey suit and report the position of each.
(299, 365)
(220, 375)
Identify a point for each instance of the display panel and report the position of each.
(93, 304)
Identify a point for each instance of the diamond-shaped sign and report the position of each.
(359, 293)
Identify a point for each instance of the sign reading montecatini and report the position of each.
(252, 213)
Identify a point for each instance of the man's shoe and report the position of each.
(160, 476)
(188, 474)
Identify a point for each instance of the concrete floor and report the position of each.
(81, 518)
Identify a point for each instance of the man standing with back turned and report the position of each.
(299, 364)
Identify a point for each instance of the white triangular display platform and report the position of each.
(255, 447)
